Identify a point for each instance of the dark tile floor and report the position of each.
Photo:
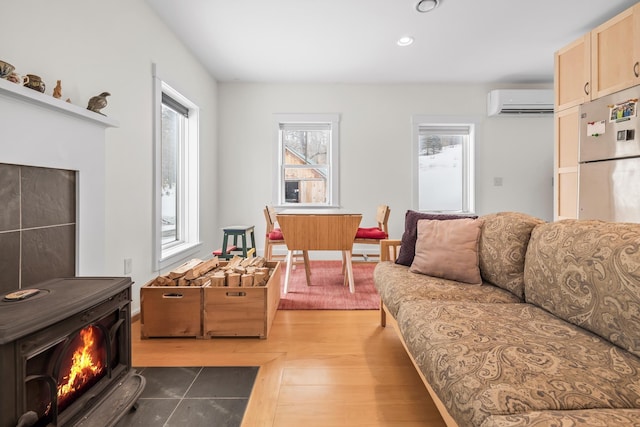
(194, 397)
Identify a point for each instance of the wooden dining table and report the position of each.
(319, 230)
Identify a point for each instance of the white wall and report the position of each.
(376, 147)
(95, 46)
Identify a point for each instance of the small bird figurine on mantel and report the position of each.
(57, 91)
(97, 103)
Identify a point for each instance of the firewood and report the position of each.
(260, 278)
(182, 269)
(239, 269)
(233, 279)
(257, 261)
(202, 281)
(202, 268)
(182, 281)
(161, 281)
(218, 279)
(246, 280)
(233, 263)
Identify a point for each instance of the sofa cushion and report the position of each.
(448, 249)
(397, 285)
(502, 248)
(490, 359)
(585, 417)
(588, 273)
(408, 243)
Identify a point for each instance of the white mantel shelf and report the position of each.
(25, 94)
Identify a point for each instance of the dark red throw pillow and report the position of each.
(410, 235)
(370, 233)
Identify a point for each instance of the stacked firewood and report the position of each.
(243, 272)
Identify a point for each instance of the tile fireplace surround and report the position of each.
(37, 225)
(39, 131)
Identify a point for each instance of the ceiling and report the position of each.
(354, 41)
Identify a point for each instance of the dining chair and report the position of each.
(273, 237)
(373, 235)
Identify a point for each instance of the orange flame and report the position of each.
(84, 366)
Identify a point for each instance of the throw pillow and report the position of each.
(408, 243)
(448, 249)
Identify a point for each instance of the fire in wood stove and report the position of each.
(85, 367)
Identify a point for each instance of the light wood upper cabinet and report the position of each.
(615, 53)
(603, 61)
(573, 74)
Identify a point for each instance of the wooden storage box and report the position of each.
(242, 311)
(170, 311)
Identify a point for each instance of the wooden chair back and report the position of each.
(382, 217)
(269, 216)
(271, 221)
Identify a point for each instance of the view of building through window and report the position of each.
(305, 164)
(308, 147)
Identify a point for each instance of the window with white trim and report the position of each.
(307, 160)
(445, 166)
(176, 177)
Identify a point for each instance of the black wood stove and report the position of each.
(65, 353)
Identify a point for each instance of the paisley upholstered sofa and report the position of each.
(551, 336)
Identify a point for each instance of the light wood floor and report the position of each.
(317, 368)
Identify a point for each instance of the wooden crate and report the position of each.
(241, 311)
(170, 311)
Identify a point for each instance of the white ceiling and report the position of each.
(354, 41)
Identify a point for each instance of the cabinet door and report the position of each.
(567, 135)
(615, 53)
(573, 74)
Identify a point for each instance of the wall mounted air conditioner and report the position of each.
(520, 102)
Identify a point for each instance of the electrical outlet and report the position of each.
(127, 265)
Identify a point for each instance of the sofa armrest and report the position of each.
(389, 249)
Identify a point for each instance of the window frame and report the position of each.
(333, 167)
(166, 255)
(469, 158)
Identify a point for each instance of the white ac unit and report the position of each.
(520, 101)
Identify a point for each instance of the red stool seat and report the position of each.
(218, 252)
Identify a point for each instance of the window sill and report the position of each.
(178, 254)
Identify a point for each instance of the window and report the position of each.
(444, 165)
(307, 160)
(176, 177)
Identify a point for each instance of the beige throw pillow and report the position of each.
(448, 249)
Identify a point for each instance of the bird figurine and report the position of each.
(98, 102)
(57, 91)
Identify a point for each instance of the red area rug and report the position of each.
(327, 291)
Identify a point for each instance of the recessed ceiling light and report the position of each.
(405, 41)
(424, 6)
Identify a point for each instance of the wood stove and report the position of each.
(65, 353)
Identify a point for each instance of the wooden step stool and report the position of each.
(237, 231)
